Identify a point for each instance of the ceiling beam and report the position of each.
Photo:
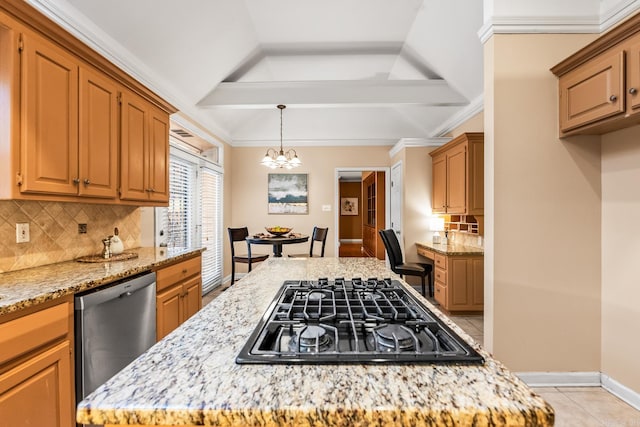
(332, 93)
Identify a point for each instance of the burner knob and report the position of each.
(356, 280)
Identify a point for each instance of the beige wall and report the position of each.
(620, 255)
(474, 124)
(543, 240)
(248, 180)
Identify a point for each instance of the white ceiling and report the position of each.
(349, 71)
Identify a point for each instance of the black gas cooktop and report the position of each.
(352, 321)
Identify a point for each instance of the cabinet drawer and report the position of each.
(27, 333)
(440, 261)
(175, 273)
(440, 294)
(425, 252)
(440, 275)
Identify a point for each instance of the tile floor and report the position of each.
(574, 406)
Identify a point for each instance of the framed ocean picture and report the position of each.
(288, 193)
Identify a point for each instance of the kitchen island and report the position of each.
(191, 378)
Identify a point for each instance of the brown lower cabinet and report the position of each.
(36, 367)
(179, 294)
(458, 281)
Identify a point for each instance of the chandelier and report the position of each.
(281, 159)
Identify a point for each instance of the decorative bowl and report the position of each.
(278, 231)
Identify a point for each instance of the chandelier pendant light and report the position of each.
(281, 159)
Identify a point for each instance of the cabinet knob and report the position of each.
(613, 98)
(86, 181)
(633, 90)
(76, 181)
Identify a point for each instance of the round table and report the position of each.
(277, 242)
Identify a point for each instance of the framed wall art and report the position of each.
(349, 206)
(288, 193)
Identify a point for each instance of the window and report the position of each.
(194, 215)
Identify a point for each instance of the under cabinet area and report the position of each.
(68, 133)
(458, 176)
(179, 294)
(36, 366)
(598, 86)
(458, 280)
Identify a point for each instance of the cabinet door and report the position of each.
(49, 112)
(633, 76)
(39, 391)
(457, 179)
(592, 92)
(192, 300)
(98, 123)
(477, 282)
(439, 196)
(134, 139)
(169, 311)
(458, 283)
(159, 156)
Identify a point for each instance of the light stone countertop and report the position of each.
(191, 378)
(24, 288)
(453, 249)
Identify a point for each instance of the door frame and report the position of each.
(336, 191)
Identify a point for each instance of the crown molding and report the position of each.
(364, 142)
(538, 25)
(405, 143)
(617, 13)
(474, 107)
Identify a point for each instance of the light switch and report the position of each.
(326, 208)
(22, 232)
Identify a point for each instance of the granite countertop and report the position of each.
(24, 288)
(452, 249)
(191, 378)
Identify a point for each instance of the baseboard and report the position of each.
(621, 391)
(581, 379)
(560, 379)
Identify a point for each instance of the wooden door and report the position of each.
(439, 196)
(593, 91)
(134, 140)
(39, 392)
(192, 300)
(169, 311)
(633, 76)
(98, 146)
(457, 179)
(159, 156)
(49, 111)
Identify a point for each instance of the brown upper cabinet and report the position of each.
(373, 218)
(458, 176)
(69, 131)
(599, 85)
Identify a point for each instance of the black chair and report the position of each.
(318, 235)
(238, 235)
(394, 253)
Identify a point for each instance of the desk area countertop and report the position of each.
(191, 378)
(453, 249)
(24, 288)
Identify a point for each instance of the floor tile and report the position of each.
(569, 413)
(604, 406)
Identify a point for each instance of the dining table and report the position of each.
(277, 241)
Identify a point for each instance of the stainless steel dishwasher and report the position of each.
(114, 325)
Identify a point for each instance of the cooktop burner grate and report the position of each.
(352, 321)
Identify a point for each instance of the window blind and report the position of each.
(211, 214)
(180, 215)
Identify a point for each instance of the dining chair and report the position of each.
(318, 235)
(238, 235)
(402, 268)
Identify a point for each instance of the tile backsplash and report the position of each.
(54, 233)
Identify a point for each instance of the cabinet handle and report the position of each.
(613, 98)
(86, 181)
(633, 91)
(184, 271)
(76, 181)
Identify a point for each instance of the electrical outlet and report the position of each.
(22, 232)
(82, 228)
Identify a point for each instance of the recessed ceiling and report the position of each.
(357, 71)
